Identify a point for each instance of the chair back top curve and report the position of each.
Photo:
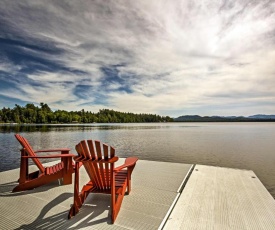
(29, 150)
(98, 160)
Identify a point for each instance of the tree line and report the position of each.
(43, 114)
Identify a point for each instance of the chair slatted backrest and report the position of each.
(94, 156)
(29, 150)
(94, 166)
(84, 157)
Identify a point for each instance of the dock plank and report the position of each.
(223, 198)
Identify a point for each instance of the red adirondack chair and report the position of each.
(44, 175)
(98, 160)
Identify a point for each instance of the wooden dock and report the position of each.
(213, 198)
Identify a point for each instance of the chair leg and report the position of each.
(77, 201)
(129, 173)
(24, 168)
(128, 182)
(67, 179)
(118, 201)
(67, 171)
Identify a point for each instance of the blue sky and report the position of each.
(167, 57)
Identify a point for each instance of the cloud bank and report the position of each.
(165, 57)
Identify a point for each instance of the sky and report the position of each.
(211, 57)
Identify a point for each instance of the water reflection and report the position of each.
(70, 127)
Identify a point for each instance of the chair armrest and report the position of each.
(130, 161)
(51, 156)
(52, 150)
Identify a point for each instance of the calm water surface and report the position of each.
(234, 145)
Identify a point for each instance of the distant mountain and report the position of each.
(262, 116)
(194, 118)
(188, 118)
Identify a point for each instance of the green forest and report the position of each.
(43, 114)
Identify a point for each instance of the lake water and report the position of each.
(235, 145)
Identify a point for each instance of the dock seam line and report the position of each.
(179, 191)
(186, 178)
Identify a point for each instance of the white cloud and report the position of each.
(173, 55)
(7, 66)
